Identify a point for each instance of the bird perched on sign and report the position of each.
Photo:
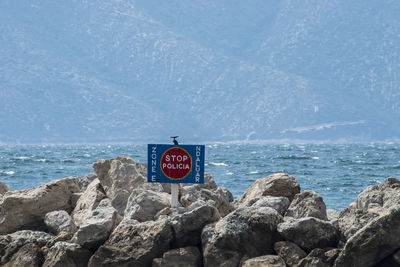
(175, 141)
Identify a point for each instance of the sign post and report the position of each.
(175, 164)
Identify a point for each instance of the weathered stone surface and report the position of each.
(371, 203)
(143, 205)
(29, 255)
(264, 261)
(134, 244)
(307, 204)
(374, 242)
(88, 201)
(120, 176)
(187, 227)
(289, 252)
(246, 231)
(64, 254)
(59, 221)
(86, 180)
(333, 217)
(390, 261)
(62, 236)
(3, 188)
(276, 185)
(181, 257)
(96, 228)
(280, 204)
(309, 232)
(320, 257)
(27, 208)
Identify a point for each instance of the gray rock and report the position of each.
(333, 217)
(27, 208)
(29, 255)
(181, 257)
(264, 261)
(276, 185)
(246, 231)
(97, 227)
(307, 204)
(64, 254)
(86, 180)
(320, 258)
(143, 205)
(62, 236)
(59, 221)
(309, 232)
(3, 188)
(134, 244)
(391, 261)
(280, 204)
(374, 242)
(289, 252)
(120, 176)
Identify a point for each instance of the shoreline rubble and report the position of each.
(113, 217)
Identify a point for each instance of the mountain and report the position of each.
(112, 71)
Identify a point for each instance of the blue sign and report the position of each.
(175, 163)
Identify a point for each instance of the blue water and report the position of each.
(337, 172)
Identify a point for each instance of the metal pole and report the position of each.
(174, 195)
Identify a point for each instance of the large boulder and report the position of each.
(143, 205)
(320, 258)
(244, 232)
(64, 254)
(370, 204)
(27, 208)
(3, 188)
(307, 204)
(134, 244)
(97, 227)
(59, 221)
(86, 180)
(265, 260)
(374, 242)
(280, 204)
(180, 257)
(28, 255)
(120, 176)
(289, 252)
(309, 232)
(276, 185)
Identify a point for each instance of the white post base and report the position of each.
(174, 195)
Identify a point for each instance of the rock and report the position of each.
(246, 231)
(62, 236)
(74, 199)
(134, 244)
(187, 227)
(391, 261)
(309, 232)
(88, 201)
(289, 252)
(65, 254)
(307, 204)
(27, 208)
(333, 217)
(320, 257)
(280, 204)
(374, 242)
(97, 227)
(3, 188)
(59, 221)
(28, 255)
(264, 261)
(120, 176)
(143, 205)
(371, 203)
(276, 185)
(86, 180)
(181, 257)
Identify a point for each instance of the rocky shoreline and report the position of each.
(113, 217)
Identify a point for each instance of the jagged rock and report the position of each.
(187, 227)
(333, 217)
(88, 201)
(391, 261)
(265, 260)
(143, 205)
(371, 203)
(120, 176)
(134, 244)
(289, 252)
(86, 180)
(29, 255)
(27, 208)
(3, 188)
(309, 232)
(181, 257)
(65, 254)
(276, 185)
(307, 204)
(280, 204)
(246, 231)
(320, 258)
(97, 227)
(62, 236)
(59, 221)
(374, 242)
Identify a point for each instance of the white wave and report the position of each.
(315, 157)
(86, 155)
(40, 160)
(10, 172)
(22, 158)
(322, 126)
(218, 164)
(254, 172)
(229, 173)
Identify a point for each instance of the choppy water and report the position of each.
(337, 172)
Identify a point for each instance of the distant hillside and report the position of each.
(103, 71)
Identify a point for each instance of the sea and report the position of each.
(338, 172)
